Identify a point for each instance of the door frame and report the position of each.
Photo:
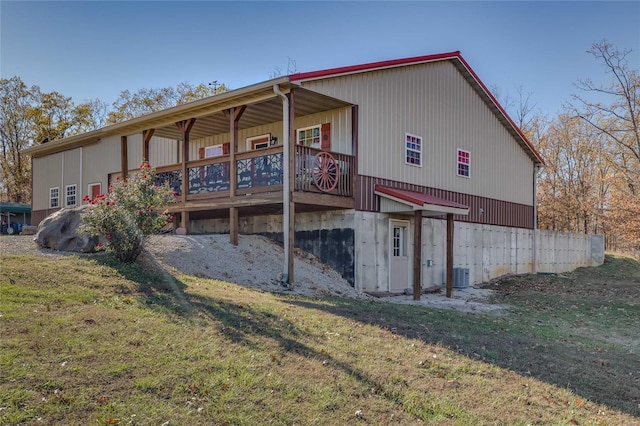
(407, 245)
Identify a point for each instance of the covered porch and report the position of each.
(419, 205)
(220, 172)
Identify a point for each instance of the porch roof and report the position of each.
(263, 106)
(407, 202)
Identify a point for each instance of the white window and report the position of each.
(54, 198)
(464, 163)
(70, 199)
(413, 150)
(309, 136)
(213, 151)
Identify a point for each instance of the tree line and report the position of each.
(29, 116)
(590, 182)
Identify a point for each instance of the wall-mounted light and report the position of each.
(274, 140)
(481, 210)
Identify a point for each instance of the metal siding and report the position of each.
(494, 212)
(47, 173)
(98, 161)
(340, 132)
(435, 102)
(72, 171)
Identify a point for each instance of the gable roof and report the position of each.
(461, 65)
(202, 107)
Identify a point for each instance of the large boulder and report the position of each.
(61, 231)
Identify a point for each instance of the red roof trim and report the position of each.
(332, 72)
(372, 66)
(417, 198)
(497, 104)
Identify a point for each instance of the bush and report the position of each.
(129, 213)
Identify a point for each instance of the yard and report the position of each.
(86, 341)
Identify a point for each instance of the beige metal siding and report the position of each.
(99, 160)
(435, 102)
(340, 132)
(47, 173)
(162, 151)
(72, 175)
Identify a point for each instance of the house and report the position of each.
(341, 162)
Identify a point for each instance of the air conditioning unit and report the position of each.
(460, 277)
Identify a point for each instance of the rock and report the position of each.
(61, 231)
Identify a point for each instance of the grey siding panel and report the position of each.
(433, 101)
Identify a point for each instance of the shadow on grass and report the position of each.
(606, 375)
(241, 324)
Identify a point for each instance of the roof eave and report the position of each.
(463, 67)
(95, 135)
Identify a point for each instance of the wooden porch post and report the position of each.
(234, 116)
(185, 127)
(124, 159)
(417, 254)
(291, 177)
(146, 138)
(449, 255)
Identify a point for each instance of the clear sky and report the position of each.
(92, 49)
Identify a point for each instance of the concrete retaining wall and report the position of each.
(356, 244)
(488, 251)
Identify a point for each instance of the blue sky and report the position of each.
(96, 49)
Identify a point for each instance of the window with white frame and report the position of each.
(413, 150)
(70, 195)
(54, 198)
(309, 136)
(464, 163)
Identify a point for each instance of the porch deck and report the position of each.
(259, 178)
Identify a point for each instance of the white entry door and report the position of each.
(398, 256)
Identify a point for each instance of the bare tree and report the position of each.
(614, 109)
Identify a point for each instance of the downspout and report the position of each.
(534, 256)
(81, 186)
(286, 194)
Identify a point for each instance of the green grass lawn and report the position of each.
(85, 341)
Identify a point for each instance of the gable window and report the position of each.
(70, 195)
(464, 163)
(54, 198)
(413, 150)
(309, 136)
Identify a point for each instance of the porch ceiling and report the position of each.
(259, 113)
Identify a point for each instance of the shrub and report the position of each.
(129, 213)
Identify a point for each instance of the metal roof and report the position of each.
(263, 107)
(15, 207)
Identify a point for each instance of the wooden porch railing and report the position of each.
(305, 168)
(257, 171)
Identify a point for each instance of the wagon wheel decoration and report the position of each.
(325, 171)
